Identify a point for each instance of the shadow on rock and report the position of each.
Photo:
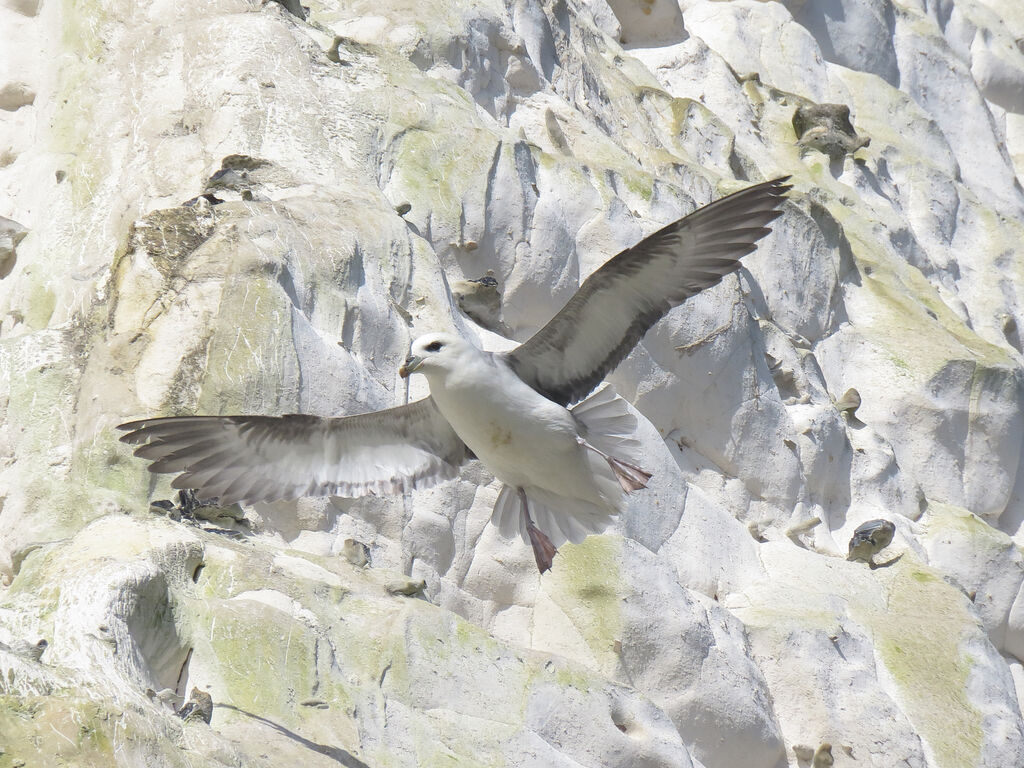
(335, 753)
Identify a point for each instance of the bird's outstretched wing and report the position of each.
(619, 302)
(267, 458)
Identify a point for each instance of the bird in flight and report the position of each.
(567, 457)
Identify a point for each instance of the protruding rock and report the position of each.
(803, 752)
(849, 403)
(191, 508)
(823, 757)
(24, 7)
(14, 96)
(11, 234)
(32, 651)
(165, 507)
(242, 177)
(648, 23)
(294, 7)
(406, 586)
(555, 132)
(166, 697)
(356, 553)
(794, 532)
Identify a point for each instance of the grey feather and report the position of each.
(619, 302)
(268, 458)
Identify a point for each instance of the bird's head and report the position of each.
(432, 352)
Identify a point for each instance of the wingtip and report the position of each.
(133, 427)
(133, 434)
(778, 186)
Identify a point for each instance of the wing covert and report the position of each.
(620, 301)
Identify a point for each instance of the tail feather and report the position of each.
(561, 518)
(608, 429)
(565, 519)
(508, 514)
(609, 425)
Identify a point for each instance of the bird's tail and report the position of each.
(560, 517)
(607, 428)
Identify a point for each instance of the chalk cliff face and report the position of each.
(219, 207)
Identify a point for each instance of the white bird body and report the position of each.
(570, 468)
(566, 471)
(526, 440)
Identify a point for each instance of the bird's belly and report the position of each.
(526, 456)
(524, 441)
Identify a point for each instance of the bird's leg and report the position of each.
(543, 550)
(630, 476)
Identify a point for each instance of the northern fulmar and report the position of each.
(566, 468)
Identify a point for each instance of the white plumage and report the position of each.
(566, 471)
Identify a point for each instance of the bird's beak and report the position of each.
(411, 364)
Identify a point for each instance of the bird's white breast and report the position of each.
(521, 436)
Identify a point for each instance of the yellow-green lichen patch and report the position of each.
(784, 617)
(264, 656)
(60, 392)
(795, 594)
(586, 585)
(72, 133)
(908, 141)
(640, 184)
(470, 636)
(88, 32)
(439, 163)
(960, 524)
(605, 164)
(897, 302)
(696, 132)
(34, 590)
(258, 619)
(41, 387)
(372, 637)
(569, 676)
(231, 569)
(992, 247)
(40, 305)
(99, 462)
(63, 729)
(251, 336)
(910, 308)
(66, 734)
(916, 621)
(918, 638)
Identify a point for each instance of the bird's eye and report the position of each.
(434, 346)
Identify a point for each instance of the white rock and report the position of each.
(718, 623)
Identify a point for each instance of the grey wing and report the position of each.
(619, 302)
(267, 458)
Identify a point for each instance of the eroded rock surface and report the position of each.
(240, 207)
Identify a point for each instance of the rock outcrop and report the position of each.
(235, 206)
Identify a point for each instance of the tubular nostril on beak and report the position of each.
(411, 364)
